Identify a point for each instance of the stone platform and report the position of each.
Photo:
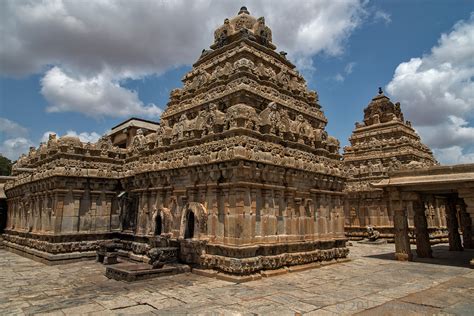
(130, 271)
(372, 283)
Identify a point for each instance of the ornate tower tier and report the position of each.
(241, 172)
(384, 142)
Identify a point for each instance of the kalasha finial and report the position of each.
(244, 10)
(380, 90)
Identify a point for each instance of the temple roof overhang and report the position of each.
(438, 178)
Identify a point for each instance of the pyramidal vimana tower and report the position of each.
(385, 142)
(240, 173)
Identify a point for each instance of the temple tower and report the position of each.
(382, 143)
(241, 173)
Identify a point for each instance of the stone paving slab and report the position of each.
(370, 284)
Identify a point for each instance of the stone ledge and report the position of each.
(304, 267)
(238, 278)
(276, 272)
(211, 273)
(131, 272)
(47, 258)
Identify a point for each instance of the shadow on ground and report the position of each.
(441, 256)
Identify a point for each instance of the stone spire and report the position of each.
(383, 142)
(243, 10)
(382, 110)
(243, 25)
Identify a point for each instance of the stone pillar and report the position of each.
(410, 213)
(400, 223)
(423, 246)
(438, 215)
(402, 241)
(453, 228)
(467, 194)
(466, 226)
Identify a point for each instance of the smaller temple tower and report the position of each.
(382, 143)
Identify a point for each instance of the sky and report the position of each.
(81, 67)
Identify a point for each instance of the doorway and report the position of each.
(189, 232)
(158, 225)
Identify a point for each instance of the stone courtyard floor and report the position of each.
(370, 284)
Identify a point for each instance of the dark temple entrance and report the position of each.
(158, 225)
(189, 232)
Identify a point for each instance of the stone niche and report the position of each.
(240, 174)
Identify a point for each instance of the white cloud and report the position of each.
(339, 78)
(45, 136)
(9, 128)
(454, 130)
(349, 68)
(12, 148)
(14, 139)
(97, 96)
(437, 92)
(95, 45)
(86, 137)
(454, 155)
(382, 16)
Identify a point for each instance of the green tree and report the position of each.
(5, 166)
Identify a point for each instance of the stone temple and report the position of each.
(239, 178)
(240, 175)
(384, 143)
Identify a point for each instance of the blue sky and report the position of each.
(60, 61)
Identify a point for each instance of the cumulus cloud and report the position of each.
(15, 140)
(86, 137)
(454, 155)
(87, 49)
(437, 93)
(12, 148)
(97, 96)
(9, 128)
